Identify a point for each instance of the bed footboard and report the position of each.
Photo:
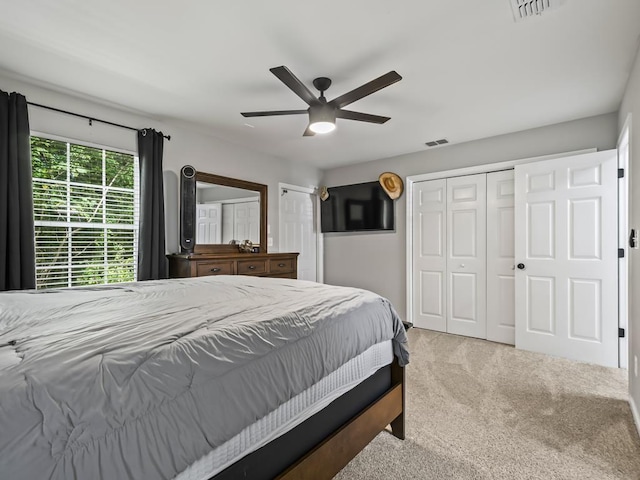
(363, 413)
(333, 454)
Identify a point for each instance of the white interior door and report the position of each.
(566, 251)
(501, 314)
(298, 232)
(467, 255)
(430, 255)
(208, 223)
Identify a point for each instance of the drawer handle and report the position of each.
(252, 267)
(281, 265)
(215, 269)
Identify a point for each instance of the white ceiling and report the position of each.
(469, 70)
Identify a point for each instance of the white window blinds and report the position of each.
(86, 214)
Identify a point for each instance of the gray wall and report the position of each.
(631, 105)
(188, 145)
(377, 261)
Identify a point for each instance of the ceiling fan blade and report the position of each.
(291, 81)
(361, 117)
(308, 132)
(273, 112)
(366, 89)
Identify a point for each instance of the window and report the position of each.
(86, 214)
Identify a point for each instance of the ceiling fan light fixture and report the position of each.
(322, 127)
(322, 118)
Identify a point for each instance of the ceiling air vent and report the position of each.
(435, 143)
(523, 9)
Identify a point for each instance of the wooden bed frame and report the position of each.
(322, 445)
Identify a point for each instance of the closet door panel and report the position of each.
(501, 311)
(466, 255)
(429, 253)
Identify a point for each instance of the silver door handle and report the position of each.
(462, 265)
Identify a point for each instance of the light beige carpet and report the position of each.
(482, 410)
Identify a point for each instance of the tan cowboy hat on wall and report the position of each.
(392, 184)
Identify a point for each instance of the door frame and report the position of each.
(623, 232)
(316, 207)
(485, 168)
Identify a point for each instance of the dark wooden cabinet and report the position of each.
(281, 265)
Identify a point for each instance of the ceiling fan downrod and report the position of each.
(322, 84)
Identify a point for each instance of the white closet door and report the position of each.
(501, 309)
(566, 251)
(241, 222)
(253, 222)
(228, 222)
(430, 255)
(245, 224)
(466, 255)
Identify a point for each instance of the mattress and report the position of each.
(140, 380)
(291, 413)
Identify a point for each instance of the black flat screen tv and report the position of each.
(357, 208)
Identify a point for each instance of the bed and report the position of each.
(212, 377)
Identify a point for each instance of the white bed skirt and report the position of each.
(291, 413)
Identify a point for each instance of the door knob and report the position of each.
(462, 265)
(521, 266)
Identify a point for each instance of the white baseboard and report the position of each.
(635, 413)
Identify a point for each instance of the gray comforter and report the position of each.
(140, 380)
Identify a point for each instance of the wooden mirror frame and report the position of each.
(236, 183)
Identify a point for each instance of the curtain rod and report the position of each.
(91, 119)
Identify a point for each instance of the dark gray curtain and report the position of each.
(17, 242)
(152, 262)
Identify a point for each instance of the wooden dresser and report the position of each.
(280, 265)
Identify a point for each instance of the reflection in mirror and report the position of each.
(247, 200)
(225, 214)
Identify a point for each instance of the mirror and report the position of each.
(229, 209)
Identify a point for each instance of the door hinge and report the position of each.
(621, 332)
(621, 173)
(621, 253)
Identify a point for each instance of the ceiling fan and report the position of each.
(323, 114)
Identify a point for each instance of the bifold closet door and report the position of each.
(501, 309)
(466, 255)
(429, 255)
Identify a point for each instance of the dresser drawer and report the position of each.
(214, 268)
(251, 267)
(281, 265)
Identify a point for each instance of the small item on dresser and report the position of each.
(246, 246)
(255, 249)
